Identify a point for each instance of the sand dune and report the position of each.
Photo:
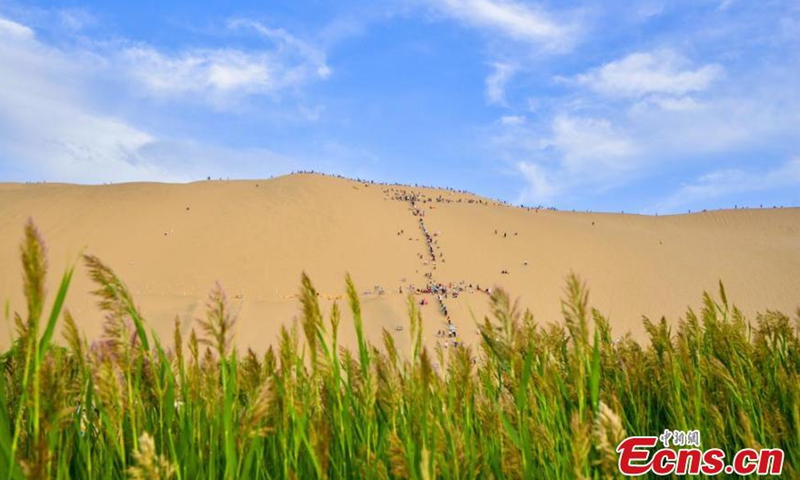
(170, 243)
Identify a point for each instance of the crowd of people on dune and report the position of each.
(418, 205)
(399, 192)
(403, 195)
(440, 291)
(429, 241)
(394, 184)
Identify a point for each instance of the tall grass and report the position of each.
(528, 401)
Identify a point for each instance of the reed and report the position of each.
(530, 400)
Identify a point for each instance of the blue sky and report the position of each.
(639, 105)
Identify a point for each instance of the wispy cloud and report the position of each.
(496, 82)
(218, 73)
(646, 73)
(512, 120)
(511, 19)
(222, 76)
(539, 187)
(75, 19)
(649, 9)
(569, 152)
(591, 144)
(730, 182)
(288, 45)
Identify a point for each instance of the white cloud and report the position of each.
(200, 71)
(496, 83)
(727, 121)
(650, 113)
(14, 30)
(707, 92)
(644, 73)
(50, 129)
(585, 154)
(75, 19)
(517, 31)
(512, 120)
(538, 188)
(729, 182)
(668, 103)
(46, 126)
(674, 109)
(288, 45)
(591, 144)
(569, 153)
(511, 19)
(222, 76)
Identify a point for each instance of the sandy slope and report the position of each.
(170, 243)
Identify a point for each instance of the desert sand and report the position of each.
(170, 243)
